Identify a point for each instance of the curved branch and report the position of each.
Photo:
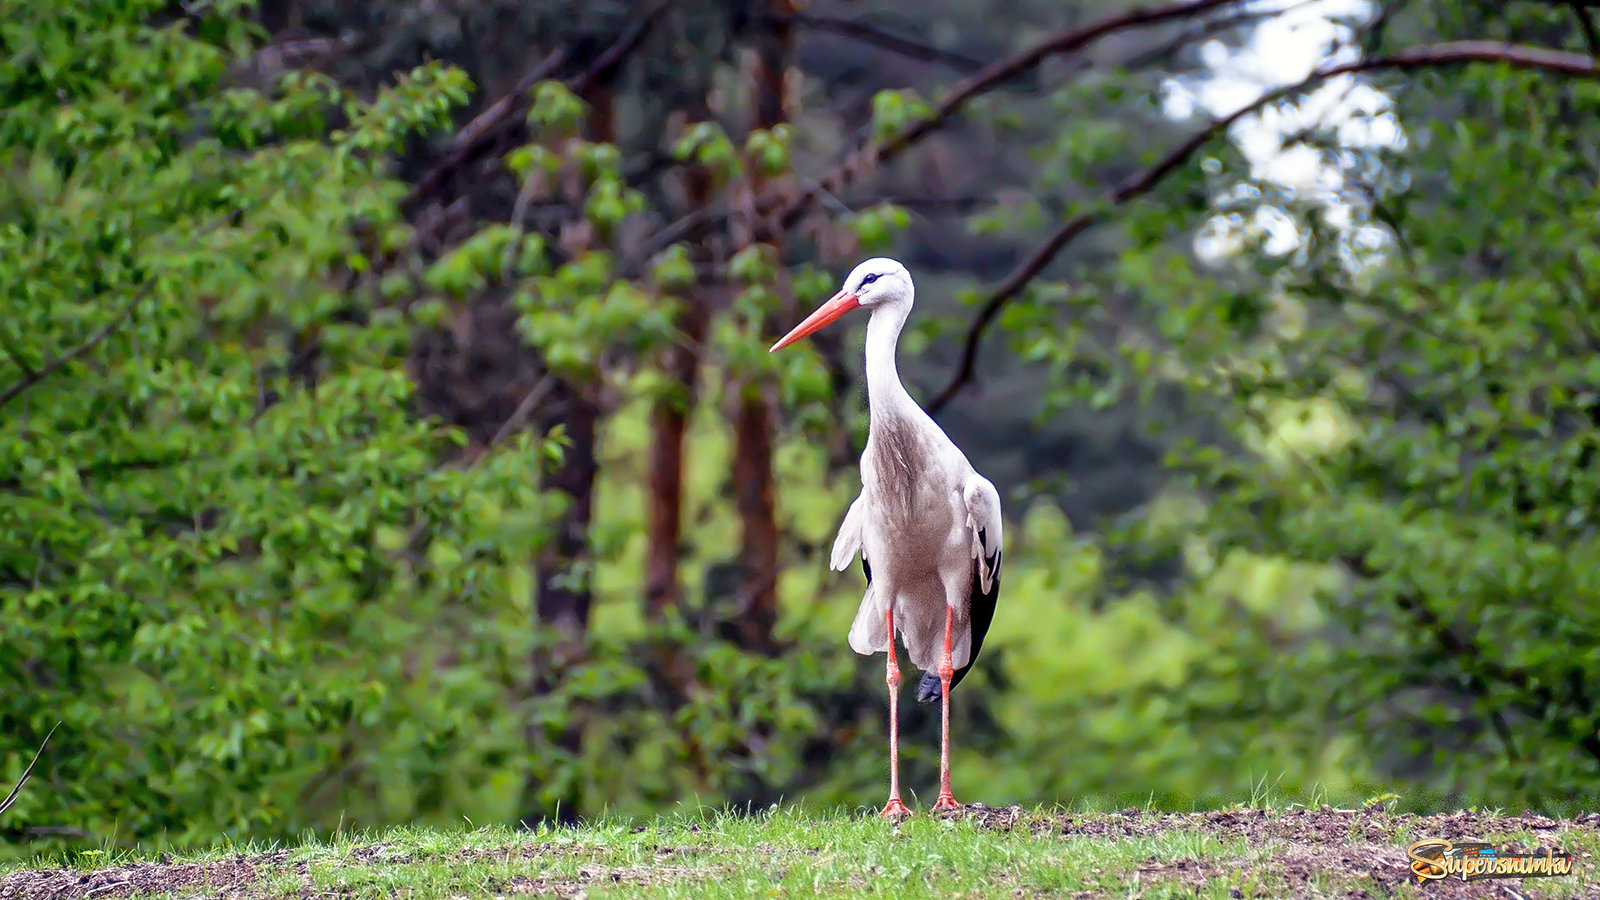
(965, 91)
(1209, 28)
(477, 136)
(1000, 72)
(11, 798)
(1452, 53)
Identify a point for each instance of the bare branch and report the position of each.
(474, 136)
(1591, 37)
(89, 343)
(417, 537)
(478, 135)
(965, 91)
(1001, 71)
(1207, 29)
(1452, 53)
(519, 416)
(606, 64)
(17, 791)
(276, 58)
(871, 34)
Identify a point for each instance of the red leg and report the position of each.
(894, 808)
(946, 672)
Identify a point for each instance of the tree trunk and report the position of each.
(757, 610)
(564, 599)
(663, 530)
(754, 416)
(669, 422)
(562, 571)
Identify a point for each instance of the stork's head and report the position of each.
(877, 282)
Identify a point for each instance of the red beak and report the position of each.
(840, 304)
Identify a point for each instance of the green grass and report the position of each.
(795, 852)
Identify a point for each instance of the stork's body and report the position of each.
(927, 526)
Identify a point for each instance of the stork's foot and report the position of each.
(946, 803)
(894, 810)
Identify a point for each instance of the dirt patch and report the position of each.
(1004, 818)
(1187, 871)
(1348, 873)
(535, 850)
(1346, 853)
(574, 888)
(239, 876)
(225, 878)
(1306, 826)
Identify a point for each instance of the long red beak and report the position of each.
(840, 304)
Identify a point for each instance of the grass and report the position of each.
(796, 852)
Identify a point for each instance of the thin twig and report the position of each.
(60, 362)
(991, 76)
(530, 402)
(519, 416)
(1452, 53)
(277, 58)
(17, 791)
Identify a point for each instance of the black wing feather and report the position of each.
(981, 608)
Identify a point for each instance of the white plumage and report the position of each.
(944, 552)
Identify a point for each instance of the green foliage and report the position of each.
(707, 144)
(1411, 427)
(231, 561)
(893, 111)
(210, 569)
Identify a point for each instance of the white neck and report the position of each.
(886, 396)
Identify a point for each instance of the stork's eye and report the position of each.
(868, 280)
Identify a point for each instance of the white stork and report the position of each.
(927, 525)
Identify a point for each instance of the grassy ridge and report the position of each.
(795, 852)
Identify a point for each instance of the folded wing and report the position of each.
(987, 532)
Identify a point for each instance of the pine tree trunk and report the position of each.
(756, 410)
(669, 422)
(752, 477)
(562, 571)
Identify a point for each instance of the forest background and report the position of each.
(387, 432)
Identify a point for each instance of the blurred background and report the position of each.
(387, 432)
